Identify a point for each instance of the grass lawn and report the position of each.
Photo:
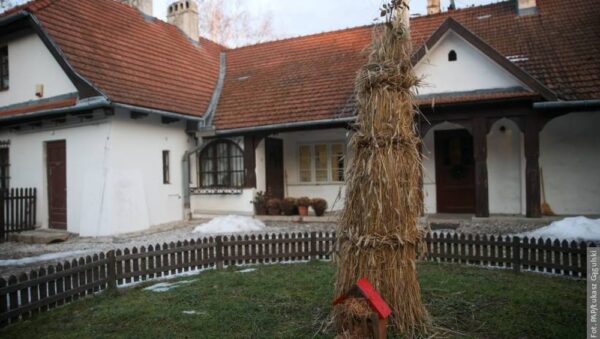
(293, 301)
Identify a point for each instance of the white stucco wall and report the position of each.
(570, 159)
(505, 168)
(333, 192)
(30, 63)
(85, 153)
(133, 196)
(471, 71)
(114, 172)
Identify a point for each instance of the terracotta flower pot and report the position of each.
(303, 210)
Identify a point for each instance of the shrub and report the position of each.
(274, 206)
(304, 202)
(288, 206)
(319, 205)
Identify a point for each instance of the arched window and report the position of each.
(221, 165)
(452, 56)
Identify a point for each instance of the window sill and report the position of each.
(216, 191)
(324, 183)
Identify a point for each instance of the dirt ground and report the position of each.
(80, 247)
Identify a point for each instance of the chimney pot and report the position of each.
(433, 7)
(527, 7)
(184, 15)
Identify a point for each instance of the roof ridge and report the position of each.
(415, 18)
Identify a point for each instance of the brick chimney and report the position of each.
(184, 15)
(144, 6)
(433, 7)
(527, 7)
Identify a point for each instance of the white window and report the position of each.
(321, 162)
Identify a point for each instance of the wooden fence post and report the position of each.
(2, 226)
(111, 269)
(219, 251)
(313, 246)
(516, 254)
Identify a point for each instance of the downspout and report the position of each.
(185, 165)
(204, 128)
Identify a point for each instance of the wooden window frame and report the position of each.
(166, 162)
(4, 167)
(4, 71)
(210, 152)
(313, 166)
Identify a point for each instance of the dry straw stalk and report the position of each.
(378, 232)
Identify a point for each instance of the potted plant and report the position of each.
(288, 206)
(274, 206)
(303, 204)
(260, 203)
(319, 206)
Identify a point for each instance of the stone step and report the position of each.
(40, 236)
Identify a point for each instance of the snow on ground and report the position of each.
(576, 228)
(248, 270)
(230, 224)
(165, 287)
(39, 258)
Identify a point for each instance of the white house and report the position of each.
(122, 121)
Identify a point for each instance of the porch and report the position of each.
(492, 171)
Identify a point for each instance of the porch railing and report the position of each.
(17, 210)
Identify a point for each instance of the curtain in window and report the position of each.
(222, 165)
(321, 163)
(305, 164)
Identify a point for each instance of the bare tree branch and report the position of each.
(230, 23)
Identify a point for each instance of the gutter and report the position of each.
(158, 112)
(578, 105)
(88, 104)
(285, 126)
(214, 101)
(7, 20)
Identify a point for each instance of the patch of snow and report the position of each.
(165, 287)
(167, 276)
(192, 312)
(576, 228)
(230, 224)
(40, 258)
(248, 270)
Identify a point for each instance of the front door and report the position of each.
(274, 167)
(454, 171)
(57, 184)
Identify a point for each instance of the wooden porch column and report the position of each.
(532, 165)
(250, 143)
(482, 207)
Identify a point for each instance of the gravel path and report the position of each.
(40, 255)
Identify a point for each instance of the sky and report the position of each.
(293, 18)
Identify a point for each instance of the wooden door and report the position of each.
(454, 171)
(274, 167)
(57, 184)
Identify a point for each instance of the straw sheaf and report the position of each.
(378, 230)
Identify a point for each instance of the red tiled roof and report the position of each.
(58, 103)
(131, 58)
(312, 77)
